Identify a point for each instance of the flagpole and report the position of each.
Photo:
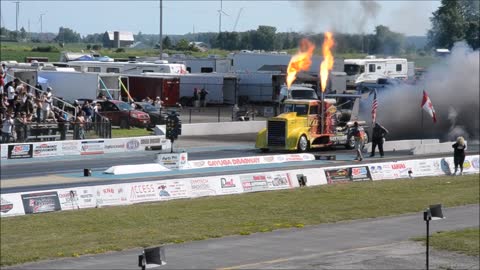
(421, 138)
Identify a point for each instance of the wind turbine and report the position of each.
(236, 20)
(220, 11)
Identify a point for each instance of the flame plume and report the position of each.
(300, 61)
(327, 63)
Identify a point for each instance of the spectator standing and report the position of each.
(359, 134)
(2, 80)
(20, 127)
(4, 106)
(7, 128)
(10, 88)
(88, 111)
(203, 97)
(47, 107)
(378, 138)
(38, 107)
(80, 122)
(459, 148)
(158, 104)
(62, 123)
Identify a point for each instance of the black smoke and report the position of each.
(453, 87)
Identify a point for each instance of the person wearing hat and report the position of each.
(49, 92)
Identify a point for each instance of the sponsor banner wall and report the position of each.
(92, 147)
(470, 165)
(71, 148)
(173, 160)
(114, 146)
(77, 198)
(17, 151)
(315, 177)
(142, 192)
(112, 194)
(11, 205)
(47, 149)
(172, 189)
(390, 170)
(223, 162)
(226, 184)
(347, 174)
(40, 202)
(3, 151)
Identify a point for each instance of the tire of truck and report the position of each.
(303, 144)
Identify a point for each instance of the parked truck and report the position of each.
(304, 125)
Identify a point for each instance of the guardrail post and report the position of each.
(190, 116)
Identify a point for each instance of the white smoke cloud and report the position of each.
(453, 87)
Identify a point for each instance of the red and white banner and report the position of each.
(47, 149)
(11, 205)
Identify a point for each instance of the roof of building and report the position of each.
(124, 35)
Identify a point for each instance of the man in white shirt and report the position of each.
(7, 128)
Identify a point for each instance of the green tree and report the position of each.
(67, 35)
(387, 42)
(448, 25)
(167, 43)
(264, 38)
(23, 33)
(182, 45)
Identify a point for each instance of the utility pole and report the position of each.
(41, 25)
(16, 18)
(220, 17)
(161, 30)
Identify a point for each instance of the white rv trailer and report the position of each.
(159, 66)
(371, 69)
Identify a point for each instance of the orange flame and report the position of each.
(300, 61)
(327, 63)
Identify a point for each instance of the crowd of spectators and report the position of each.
(22, 105)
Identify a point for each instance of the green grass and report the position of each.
(73, 233)
(463, 241)
(132, 132)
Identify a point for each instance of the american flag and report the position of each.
(374, 106)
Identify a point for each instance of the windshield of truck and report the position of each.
(304, 94)
(352, 69)
(300, 109)
(123, 106)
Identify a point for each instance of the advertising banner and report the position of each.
(112, 195)
(92, 147)
(16, 151)
(470, 165)
(47, 149)
(115, 146)
(390, 170)
(224, 162)
(71, 147)
(142, 192)
(278, 180)
(173, 160)
(314, 177)
(133, 145)
(200, 187)
(3, 151)
(227, 184)
(41, 202)
(77, 198)
(346, 174)
(11, 205)
(172, 189)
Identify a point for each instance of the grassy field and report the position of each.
(132, 132)
(90, 231)
(463, 241)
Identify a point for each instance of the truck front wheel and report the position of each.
(303, 144)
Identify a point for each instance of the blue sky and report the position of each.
(180, 17)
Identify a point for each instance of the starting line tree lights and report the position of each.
(434, 212)
(174, 127)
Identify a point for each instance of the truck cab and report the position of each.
(302, 125)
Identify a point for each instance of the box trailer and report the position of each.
(81, 85)
(152, 85)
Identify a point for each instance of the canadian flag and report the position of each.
(428, 106)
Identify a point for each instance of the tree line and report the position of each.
(451, 22)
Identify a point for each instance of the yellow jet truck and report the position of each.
(304, 125)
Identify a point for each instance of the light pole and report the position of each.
(16, 18)
(161, 30)
(41, 25)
